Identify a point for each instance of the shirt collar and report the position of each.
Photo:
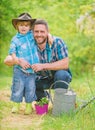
(23, 35)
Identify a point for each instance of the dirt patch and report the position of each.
(19, 121)
(5, 95)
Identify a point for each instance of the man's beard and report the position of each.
(41, 42)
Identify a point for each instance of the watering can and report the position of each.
(64, 100)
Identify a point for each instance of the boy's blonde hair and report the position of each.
(23, 23)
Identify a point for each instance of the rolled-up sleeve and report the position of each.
(12, 48)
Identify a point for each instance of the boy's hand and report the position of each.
(23, 63)
(9, 60)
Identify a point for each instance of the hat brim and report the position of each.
(14, 21)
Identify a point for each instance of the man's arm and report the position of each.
(58, 65)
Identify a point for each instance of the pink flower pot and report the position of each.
(41, 109)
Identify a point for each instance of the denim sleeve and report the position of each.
(12, 48)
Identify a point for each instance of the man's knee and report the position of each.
(62, 75)
(62, 79)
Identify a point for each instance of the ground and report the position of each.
(19, 121)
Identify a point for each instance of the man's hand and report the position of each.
(37, 67)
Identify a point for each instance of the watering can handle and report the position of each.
(58, 82)
(54, 84)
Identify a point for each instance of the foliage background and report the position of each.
(61, 17)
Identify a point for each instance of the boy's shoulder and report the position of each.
(14, 37)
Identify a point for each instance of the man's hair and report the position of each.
(40, 21)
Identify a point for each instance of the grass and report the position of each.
(84, 87)
(5, 82)
(84, 120)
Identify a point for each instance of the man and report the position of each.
(54, 61)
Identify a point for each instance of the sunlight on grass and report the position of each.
(84, 119)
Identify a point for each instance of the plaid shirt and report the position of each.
(56, 52)
(24, 47)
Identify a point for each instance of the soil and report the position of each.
(10, 121)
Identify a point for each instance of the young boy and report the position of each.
(23, 47)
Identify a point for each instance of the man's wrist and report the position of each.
(45, 67)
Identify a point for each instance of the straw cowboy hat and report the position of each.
(23, 17)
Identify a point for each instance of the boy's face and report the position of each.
(23, 26)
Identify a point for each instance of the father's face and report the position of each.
(40, 33)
